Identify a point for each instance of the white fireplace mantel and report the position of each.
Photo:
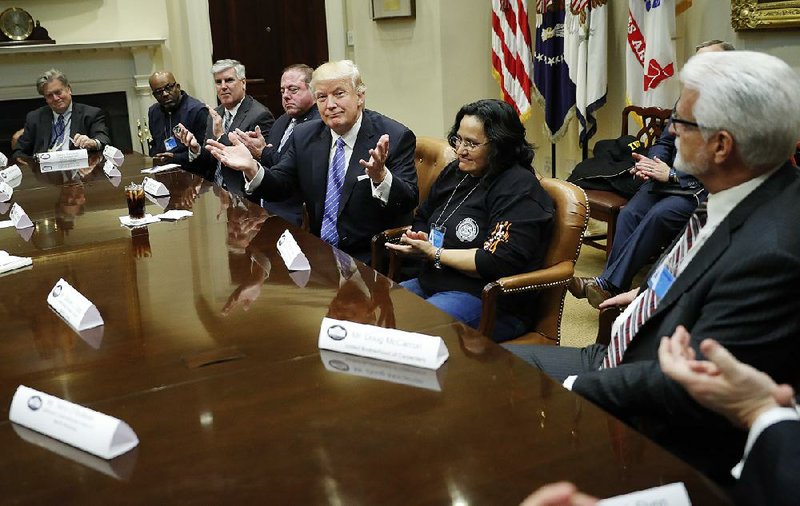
(92, 67)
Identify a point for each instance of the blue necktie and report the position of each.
(58, 132)
(333, 194)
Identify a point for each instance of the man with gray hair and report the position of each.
(731, 275)
(354, 182)
(237, 110)
(62, 124)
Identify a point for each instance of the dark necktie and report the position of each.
(57, 135)
(333, 194)
(226, 125)
(647, 303)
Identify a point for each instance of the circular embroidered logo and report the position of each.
(337, 332)
(467, 230)
(34, 403)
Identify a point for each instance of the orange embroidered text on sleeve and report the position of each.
(498, 235)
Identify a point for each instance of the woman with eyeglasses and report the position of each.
(486, 217)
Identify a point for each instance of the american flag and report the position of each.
(511, 53)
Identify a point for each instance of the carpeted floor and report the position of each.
(579, 324)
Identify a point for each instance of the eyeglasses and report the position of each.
(167, 88)
(457, 143)
(680, 121)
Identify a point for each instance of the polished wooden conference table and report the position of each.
(209, 352)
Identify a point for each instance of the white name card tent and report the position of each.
(110, 169)
(392, 345)
(73, 307)
(155, 188)
(19, 217)
(91, 431)
(291, 253)
(12, 175)
(54, 161)
(113, 155)
(10, 263)
(6, 191)
(380, 370)
(674, 494)
(3, 160)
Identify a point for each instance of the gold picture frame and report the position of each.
(762, 15)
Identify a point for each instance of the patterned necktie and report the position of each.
(645, 305)
(286, 134)
(56, 137)
(226, 125)
(333, 194)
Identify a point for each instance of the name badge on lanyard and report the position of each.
(660, 281)
(436, 237)
(170, 143)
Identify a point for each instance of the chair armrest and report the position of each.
(558, 274)
(555, 275)
(605, 322)
(379, 250)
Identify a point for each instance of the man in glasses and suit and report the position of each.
(173, 106)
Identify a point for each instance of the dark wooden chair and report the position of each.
(606, 206)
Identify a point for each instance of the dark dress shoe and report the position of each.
(597, 295)
(578, 286)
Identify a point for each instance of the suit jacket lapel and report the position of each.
(241, 113)
(364, 142)
(319, 151)
(721, 238)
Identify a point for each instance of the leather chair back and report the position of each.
(430, 157)
(570, 220)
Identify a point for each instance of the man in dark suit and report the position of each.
(736, 124)
(353, 181)
(298, 104)
(237, 111)
(767, 473)
(174, 106)
(62, 124)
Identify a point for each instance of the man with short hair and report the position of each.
(731, 275)
(298, 104)
(62, 124)
(354, 183)
(174, 106)
(237, 110)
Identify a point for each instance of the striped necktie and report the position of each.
(645, 305)
(286, 134)
(57, 135)
(226, 125)
(333, 194)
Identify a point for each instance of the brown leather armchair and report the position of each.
(430, 157)
(569, 224)
(606, 206)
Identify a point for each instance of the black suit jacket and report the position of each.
(289, 208)
(770, 474)
(740, 289)
(304, 166)
(85, 120)
(251, 113)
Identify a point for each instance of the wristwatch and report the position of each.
(673, 175)
(437, 259)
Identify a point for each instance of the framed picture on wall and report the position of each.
(387, 9)
(760, 14)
